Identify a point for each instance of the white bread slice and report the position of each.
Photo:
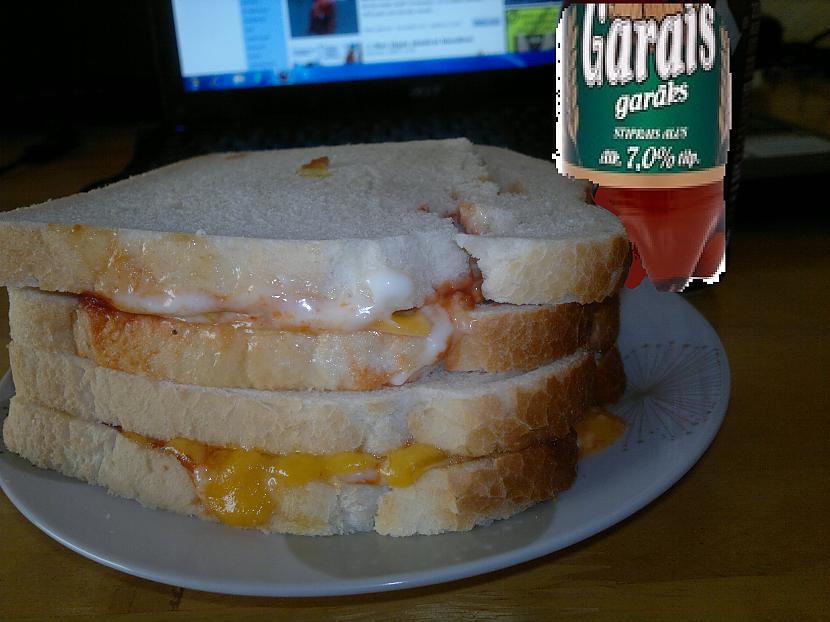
(451, 498)
(468, 414)
(224, 231)
(495, 338)
(539, 241)
(231, 232)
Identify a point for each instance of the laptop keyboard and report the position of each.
(524, 128)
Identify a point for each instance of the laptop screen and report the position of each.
(230, 44)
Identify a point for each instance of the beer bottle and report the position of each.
(644, 111)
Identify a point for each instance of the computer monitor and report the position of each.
(250, 44)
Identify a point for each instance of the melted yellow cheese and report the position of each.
(597, 430)
(137, 438)
(407, 323)
(403, 467)
(347, 462)
(195, 452)
(240, 486)
(318, 167)
(236, 487)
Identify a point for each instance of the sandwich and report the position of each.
(399, 338)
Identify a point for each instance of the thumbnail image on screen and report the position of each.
(529, 28)
(322, 17)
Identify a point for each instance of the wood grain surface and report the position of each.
(742, 537)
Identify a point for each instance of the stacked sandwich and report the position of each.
(396, 338)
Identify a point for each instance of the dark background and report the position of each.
(94, 61)
(90, 61)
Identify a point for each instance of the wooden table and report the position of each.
(743, 536)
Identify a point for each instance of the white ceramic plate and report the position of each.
(678, 390)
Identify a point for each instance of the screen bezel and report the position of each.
(352, 97)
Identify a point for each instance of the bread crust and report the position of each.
(499, 340)
(610, 377)
(537, 271)
(507, 337)
(604, 324)
(452, 498)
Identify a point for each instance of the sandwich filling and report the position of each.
(385, 296)
(110, 335)
(127, 285)
(598, 430)
(241, 486)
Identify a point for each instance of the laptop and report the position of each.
(265, 74)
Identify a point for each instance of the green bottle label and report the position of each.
(644, 94)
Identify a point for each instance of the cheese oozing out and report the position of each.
(598, 430)
(435, 344)
(382, 293)
(241, 486)
(388, 290)
(385, 292)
